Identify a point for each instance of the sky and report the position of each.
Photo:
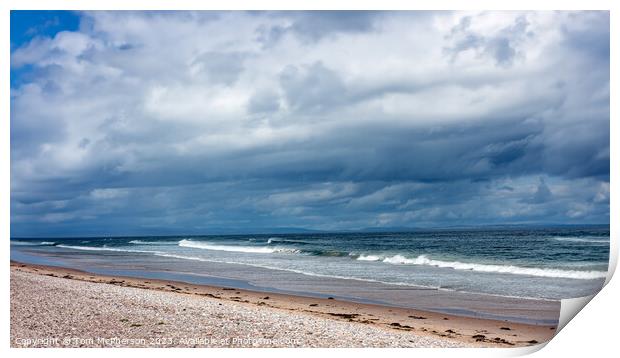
(145, 123)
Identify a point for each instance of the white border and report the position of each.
(593, 331)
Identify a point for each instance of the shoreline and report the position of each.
(418, 323)
(529, 311)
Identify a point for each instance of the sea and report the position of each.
(549, 263)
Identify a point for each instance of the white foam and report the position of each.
(23, 243)
(140, 242)
(508, 269)
(272, 240)
(231, 248)
(583, 239)
(287, 251)
(193, 258)
(369, 258)
(91, 248)
(32, 243)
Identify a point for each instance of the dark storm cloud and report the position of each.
(171, 122)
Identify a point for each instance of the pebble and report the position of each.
(50, 311)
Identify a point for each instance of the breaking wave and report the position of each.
(92, 248)
(233, 248)
(140, 242)
(33, 243)
(276, 240)
(596, 240)
(368, 258)
(508, 269)
(393, 259)
(288, 269)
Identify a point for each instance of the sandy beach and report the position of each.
(61, 307)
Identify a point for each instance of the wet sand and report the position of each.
(366, 324)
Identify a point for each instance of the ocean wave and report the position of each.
(273, 240)
(301, 272)
(203, 245)
(93, 248)
(24, 243)
(368, 257)
(183, 257)
(595, 239)
(399, 259)
(32, 243)
(233, 248)
(508, 269)
(332, 276)
(328, 253)
(140, 242)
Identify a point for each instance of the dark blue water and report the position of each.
(550, 263)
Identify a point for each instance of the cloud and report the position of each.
(314, 119)
(312, 88)
(541, 195)
(313, 26)
(264, 101)
(503, 45)
(218, 67)
(108, 193)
